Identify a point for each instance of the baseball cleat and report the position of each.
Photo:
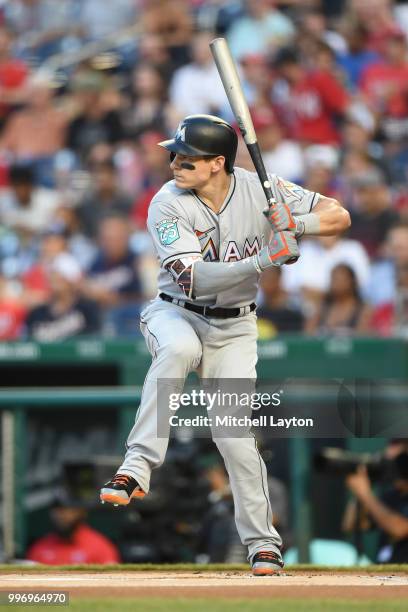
(266, 563)
(120, 490)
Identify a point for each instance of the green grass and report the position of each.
(192, 567)
(226, 605)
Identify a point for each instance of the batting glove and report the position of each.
(281, 219)
(282, 249)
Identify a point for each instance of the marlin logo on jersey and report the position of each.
(201, 235)
(232, 252)
(168, 231)
(208, 250)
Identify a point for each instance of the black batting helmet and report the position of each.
(204, 135)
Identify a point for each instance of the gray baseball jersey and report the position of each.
(185, 229)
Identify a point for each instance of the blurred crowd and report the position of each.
(88, 89)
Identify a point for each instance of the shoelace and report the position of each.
(268, 556)
(122, 479)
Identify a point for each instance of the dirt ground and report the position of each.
(230, 584)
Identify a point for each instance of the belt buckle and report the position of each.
(205, 311)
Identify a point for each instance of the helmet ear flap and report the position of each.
(172, 156)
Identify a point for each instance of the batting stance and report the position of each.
(213, 240)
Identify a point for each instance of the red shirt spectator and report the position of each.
(316, 99)
(85, 546)
(12, 315)
(383, 319)
(385, 83)
(13, 73)
(312, 102)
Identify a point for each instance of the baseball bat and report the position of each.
(233, 88)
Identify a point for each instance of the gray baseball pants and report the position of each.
(180, 342)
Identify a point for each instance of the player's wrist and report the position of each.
(300, 228)
(308, 224)
(262, 260)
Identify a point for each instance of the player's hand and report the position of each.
(282, 249)
(281, 219)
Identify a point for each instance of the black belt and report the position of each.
(209, 311)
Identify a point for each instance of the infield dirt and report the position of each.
(358, 585)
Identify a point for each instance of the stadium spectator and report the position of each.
(357, 138)
(37, 132)
(321, 163)
(312, 101)
(153, 51)
(103, 197)
(373, 214)
(388, 288)
(44, 27)
(383, 274)
(312, 25)
(262, 29)
(342, 310)
(66, 314)
(35, 280)
(65, 221)
(196, 88)
(357, 57)
(156, 171)
(313, 281)
(13, 75)
(72, 541)
(385, 82)
(96, 122)
(218, 16)
(147, 108)
(172, 21)
(113, 279)
(98, 20)
(277, 312)
(256, 81)
(282, 156)
(377, 17)
(12, 310)
(24, 206)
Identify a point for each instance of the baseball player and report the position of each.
(214, 238)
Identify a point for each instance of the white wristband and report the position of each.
(307, 224)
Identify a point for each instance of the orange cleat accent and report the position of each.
(121, 490)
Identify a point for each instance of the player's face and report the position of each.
(196, 177)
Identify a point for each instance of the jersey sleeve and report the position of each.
(300, 200)
(172, 234)
(176, 243)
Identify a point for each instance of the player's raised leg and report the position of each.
(176, 351)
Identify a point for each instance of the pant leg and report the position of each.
(176, 351)
(230, 351)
